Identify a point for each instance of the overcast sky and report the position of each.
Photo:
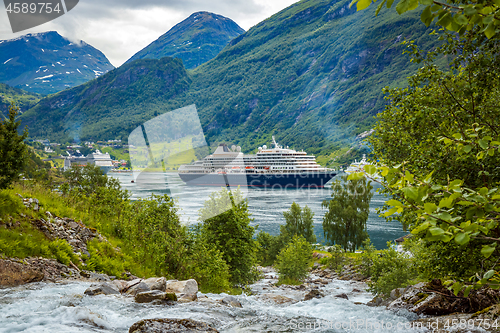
(120, 28)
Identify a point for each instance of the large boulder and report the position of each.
(156, 283)
(137, 288)
(171, 326)
(102, 289)
(182, 287)
(149, 296)
(14, 274)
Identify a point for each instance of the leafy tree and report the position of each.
(439, 107)
(345, 221)
(230, 230)
(298, 222)
(13, 150)
(294, 260)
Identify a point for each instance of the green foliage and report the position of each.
(388, 269)
(63, 252)
(153, 229)
(10, 204)
(207, 266)
(22, 241)
(298, 222)
(294, 260)
(367, 257)
(13, 151)
(337, 258)
(445, 261)
(106, 259)
(345, 221)
(231, 232)
(268, 248)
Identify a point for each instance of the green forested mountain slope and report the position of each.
(196, 40)
(22, 99)
(111, 105)
(312, 75)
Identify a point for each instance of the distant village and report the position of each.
(108, 155)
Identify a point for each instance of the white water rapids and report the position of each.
(43, 307)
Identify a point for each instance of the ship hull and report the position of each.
(269, 180)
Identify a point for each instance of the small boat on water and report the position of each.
(276, 167)
(357, 166)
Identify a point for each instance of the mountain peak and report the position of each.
(196, 40)
(47, 62)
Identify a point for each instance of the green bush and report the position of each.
(206, 265)
(338, 258)
(390, 269)
(104, 258)
(294, 260)
(448, 261)
(10, 204)
(63, 252)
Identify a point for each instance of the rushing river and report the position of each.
(265, 205)
(63, 308)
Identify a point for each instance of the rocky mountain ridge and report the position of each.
(47, 63)
(196, 40)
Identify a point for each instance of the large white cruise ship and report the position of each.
(276, 167)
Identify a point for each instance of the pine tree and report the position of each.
(13, 150)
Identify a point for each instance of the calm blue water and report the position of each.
(265, 205)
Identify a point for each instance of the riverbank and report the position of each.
(324, 301)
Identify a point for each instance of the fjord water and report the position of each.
(265, 205)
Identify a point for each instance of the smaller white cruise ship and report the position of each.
(99, 159)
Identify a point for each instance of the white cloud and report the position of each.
(120, 28)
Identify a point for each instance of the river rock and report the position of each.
(149, 296)
(186, 298)
(119, 284)
(171, 326)
(102, 289)
(129, 284)
(14, 274)
(231, 301)
(315, 293)
(344, 296)
(138, 288)
(205, 299)
(156, 283)
(278, 299)
(183, 287)
(436, 300)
